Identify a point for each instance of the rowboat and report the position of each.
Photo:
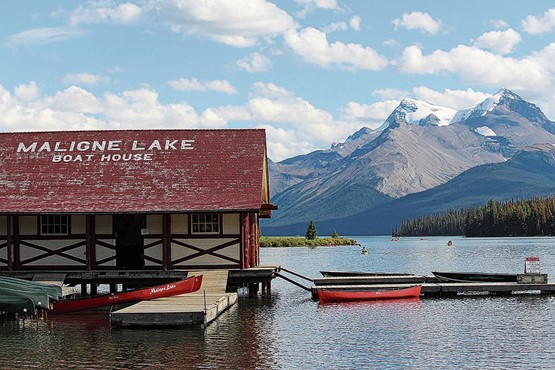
(475, 277)
(361, 273)
(337, 295)
(39, 297)
(15, 304)
(188, 285)
(53, 291)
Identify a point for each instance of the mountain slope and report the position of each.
(421, 147)
(529, 173)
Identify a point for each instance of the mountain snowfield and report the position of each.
(420, 146)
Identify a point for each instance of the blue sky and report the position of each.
(311, 72)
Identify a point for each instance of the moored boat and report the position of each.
(475, 277)
(15, 304)
(53, 291)
(361, 273)
(39, 297)
(188, 285)
(338, 295)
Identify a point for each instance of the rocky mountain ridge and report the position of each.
(420, 147)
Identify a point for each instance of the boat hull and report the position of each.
(39, 297)
(333, 295)
(361, 273)
(189, 285)
(15, 304)
(53, 291)
(475, 277)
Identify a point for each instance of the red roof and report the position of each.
(132, 171)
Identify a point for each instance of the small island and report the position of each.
(311, 239)
(299, 241)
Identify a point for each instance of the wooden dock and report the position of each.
(431, 286)
(192, 309)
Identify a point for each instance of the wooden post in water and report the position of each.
(253, 290)
(267, 288)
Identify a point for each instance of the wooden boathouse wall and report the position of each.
(238, 198)
(168, 244)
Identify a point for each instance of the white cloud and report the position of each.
(501, 42)
(40, 36)
(294, 125)
(255, 62)
(184, 84)
(27, 92)
(337, 26)
(478, 66)
(105, 11)
(77, 109)
(536, 25)
(84, 79)
(239, 23)
(313, 46)
(374, 115)
(455, 99)
(369, 115)
(498, 24)
(418, 21)
(354, 22)
(309, 6)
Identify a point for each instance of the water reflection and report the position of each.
(291, 330)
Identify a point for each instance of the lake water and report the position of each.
(291, 331)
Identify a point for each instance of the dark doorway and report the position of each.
(129, 241)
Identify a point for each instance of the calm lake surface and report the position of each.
(291, 331)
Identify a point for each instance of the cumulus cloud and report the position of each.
(84, 79)
(78, 109)
(374, 115)
(455, 99)
(536, 25)
(500, 42)
(369, 115)
(294, 125)
(239, 23)
(40, 36)
(27, 92)
(309, 6)
(479, 66)
(105, 11)
(418, 21)
(255, 62)
(354, 22)
(184, 84)
(313, 46)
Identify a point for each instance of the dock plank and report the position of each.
(198, 308)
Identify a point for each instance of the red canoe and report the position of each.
(334, 295)
(188, 285)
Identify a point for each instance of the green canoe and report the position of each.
(53, 291)
(39, 297)
(15, 304)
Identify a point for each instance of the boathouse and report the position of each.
(147, 200)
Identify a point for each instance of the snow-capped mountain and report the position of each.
(418, 112)
(421, 146)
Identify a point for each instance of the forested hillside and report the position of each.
(534, 217)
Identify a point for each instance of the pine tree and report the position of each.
(311, 232)
(334, 234)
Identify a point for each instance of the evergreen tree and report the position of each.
(311, 232)
(334, 234)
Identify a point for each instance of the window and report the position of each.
(54, 225)
(205, 223)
